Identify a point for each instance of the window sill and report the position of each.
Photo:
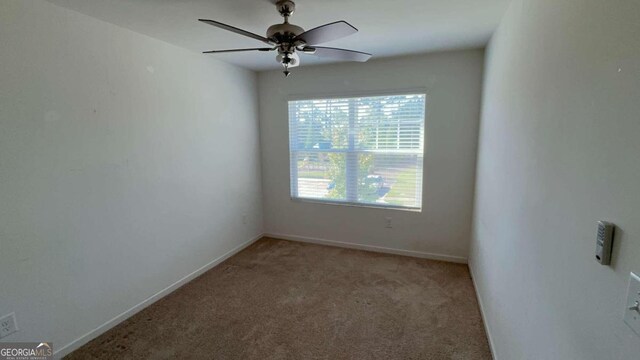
(357, 205)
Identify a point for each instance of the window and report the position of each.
(361, 150)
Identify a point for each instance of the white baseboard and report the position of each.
(380, 249)
(484, 318)
(76, 344)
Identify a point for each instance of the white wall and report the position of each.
(125, 164)
(559, 149)
(453, 84)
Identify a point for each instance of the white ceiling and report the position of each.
(387, 28)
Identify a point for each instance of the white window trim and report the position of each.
(358, 94)
(350, 95)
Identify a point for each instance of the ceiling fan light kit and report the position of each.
(289, 39)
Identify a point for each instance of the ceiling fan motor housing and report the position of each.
(284, 31)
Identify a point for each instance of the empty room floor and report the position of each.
(286, 300)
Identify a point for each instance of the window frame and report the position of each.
(351, 95)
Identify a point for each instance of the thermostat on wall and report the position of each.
(604, 242)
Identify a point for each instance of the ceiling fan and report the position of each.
(289, 39)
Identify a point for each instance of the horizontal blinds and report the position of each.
(363, 150)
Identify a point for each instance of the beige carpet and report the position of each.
(285, 300)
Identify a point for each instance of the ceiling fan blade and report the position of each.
(338, 54)
(237, 31)
(236, 50)
(327, 32)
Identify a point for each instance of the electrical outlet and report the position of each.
(632, 309)
(244, 219)
(8, 325)
(388, 223)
